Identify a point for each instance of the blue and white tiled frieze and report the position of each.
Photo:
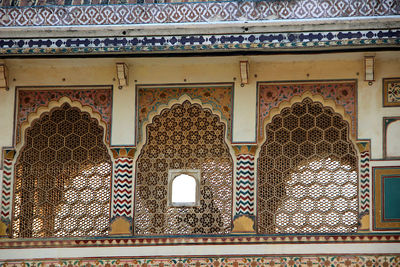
(193, 43)
(51, 15)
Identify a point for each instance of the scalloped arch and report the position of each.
(297, 99)
(180, 100)
(56, 104)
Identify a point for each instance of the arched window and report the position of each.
(307, 173)
(62, 177)
(184, 187)
(184, 137)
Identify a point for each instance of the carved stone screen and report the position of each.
(186, 136)
(307, 173)
(62, 177)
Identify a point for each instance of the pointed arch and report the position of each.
(62, 174)
(305, 166)
(183, 135)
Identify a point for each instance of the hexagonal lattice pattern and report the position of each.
(307, 173)
(186, 136)
(62, 177)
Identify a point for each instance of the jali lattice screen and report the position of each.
(307, 172)
(186, 136)
(62, 177)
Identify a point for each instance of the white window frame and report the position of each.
(172, 174)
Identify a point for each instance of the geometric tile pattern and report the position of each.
(386, 260)
(7, 186)
(187, 12)
(364, 148)
(272, 94)
(208, 240)
(122, 188)
(99, 98)
(245, 185)
(179, 43)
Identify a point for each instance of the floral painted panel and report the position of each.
(391, 92)
(30, 99)
(272, 94)
(326, 260)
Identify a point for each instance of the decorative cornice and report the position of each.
(202, 43)
(68, 15)
(202, 240)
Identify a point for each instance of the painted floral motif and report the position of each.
(219, 97)
(329, 260)
(271, 95)
(100, 100)
(393, 91)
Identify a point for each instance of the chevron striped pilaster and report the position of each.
(122, 191)
(6, 193)
(245, 185)
(364, 177)
(122, 187)
(244, 204)
(364, 185)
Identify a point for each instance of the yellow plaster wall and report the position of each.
(188, 70)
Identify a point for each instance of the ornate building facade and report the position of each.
(283, 115)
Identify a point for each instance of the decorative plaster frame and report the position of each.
(107, 133)
(386, 122)
(139, 128)
(172, 174)
(379, 222)
(385, 85)
(315, 97)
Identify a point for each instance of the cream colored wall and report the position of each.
(188, 70)
(80, 71)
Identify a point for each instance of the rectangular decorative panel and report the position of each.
(272, 94)
(386, 198)
(391, 92)
(30, 99)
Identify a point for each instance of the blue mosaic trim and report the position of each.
(192, 43)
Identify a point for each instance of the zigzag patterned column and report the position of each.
(245, 195)
(364, 189)
(122, 191)
(6, 194)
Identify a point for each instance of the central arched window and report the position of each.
(184, 137)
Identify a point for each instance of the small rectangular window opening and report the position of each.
(183, 188)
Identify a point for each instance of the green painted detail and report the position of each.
(391, 197)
